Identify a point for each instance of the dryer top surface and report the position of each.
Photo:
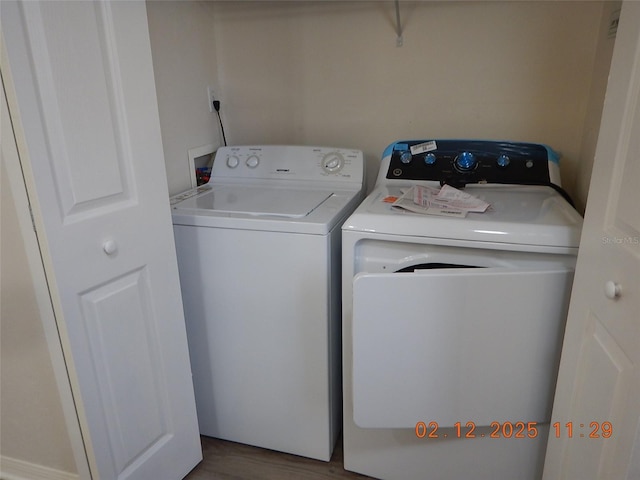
(519, 215)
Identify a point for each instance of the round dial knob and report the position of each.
(430, 159)
(503, 160)
(233, 161)
(406, 157)
(252, 161)
(466, 161)
(332, 162)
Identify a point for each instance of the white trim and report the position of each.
(14, 469)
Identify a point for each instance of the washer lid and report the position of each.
(257, 201)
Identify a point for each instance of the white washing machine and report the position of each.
(259, 259)
(452, 326)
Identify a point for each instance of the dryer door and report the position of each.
(477, 345)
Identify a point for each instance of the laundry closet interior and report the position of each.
(355, 75)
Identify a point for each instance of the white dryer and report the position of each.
(259, 259)
(452, 327)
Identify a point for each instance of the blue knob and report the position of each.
(466, 161)
(503, 160)
(406, 157)
(430, 159)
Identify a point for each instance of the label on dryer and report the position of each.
(423, 147)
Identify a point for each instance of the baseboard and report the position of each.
(13, 469)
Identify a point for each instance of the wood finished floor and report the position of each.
(234, 461)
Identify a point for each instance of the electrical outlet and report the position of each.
(211, 97)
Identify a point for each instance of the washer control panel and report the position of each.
(289, 162)
(460, 162)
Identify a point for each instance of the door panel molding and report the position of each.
(76, 153)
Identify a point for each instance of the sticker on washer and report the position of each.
(423, 147)
(446, 201)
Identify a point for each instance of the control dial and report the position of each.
(252, 161)
(503, 161)
(430, 159)
(406, 157)
(466, 161)
(233, 161)
(332, 162)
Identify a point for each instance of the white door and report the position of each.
(595, 432)
(12, 170)
(84, 105)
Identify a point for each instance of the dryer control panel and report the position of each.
(289, 162)
(460, 162)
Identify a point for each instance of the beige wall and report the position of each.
(32, 423)
(330, 72)
(184, 63)
(599, 78)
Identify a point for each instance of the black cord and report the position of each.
(216, 106)
(562, 192)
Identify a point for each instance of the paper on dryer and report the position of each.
(446, 201)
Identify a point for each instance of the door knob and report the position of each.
(110, 247)
(612, 289)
